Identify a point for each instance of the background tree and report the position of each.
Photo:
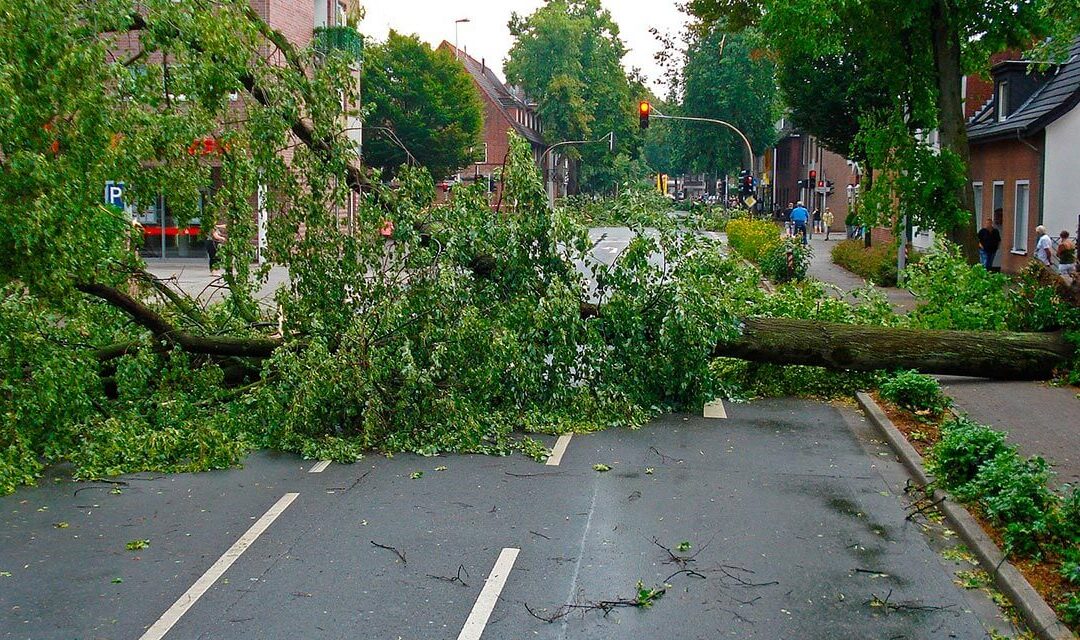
(568, 56)
(726, 78)
(922, 49)
(427, 99)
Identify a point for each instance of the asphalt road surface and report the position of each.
(786, 519)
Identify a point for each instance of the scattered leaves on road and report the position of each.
(61, 525)
(649, 471)
(137, 545)
(117, 580)
(441, 468)
(601, 467)
(416, 475)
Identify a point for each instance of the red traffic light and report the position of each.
(813, 174)
(644, 110)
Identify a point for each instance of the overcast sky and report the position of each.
(486, 35)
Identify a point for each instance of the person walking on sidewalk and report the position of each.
(217, 238)
(817, 221)
(1044, 246)
(1066, 253)
(827, 220)
(799, 218)
(989, 241)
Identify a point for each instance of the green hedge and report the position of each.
(752, 239)
(877, 264)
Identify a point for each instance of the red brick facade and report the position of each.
(1009, 164)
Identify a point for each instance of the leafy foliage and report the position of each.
(876, 263)
(787, 261)
(964, 447)
(914, 391)
(428, 102)
(752, 239)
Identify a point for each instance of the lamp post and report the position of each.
(457, 23)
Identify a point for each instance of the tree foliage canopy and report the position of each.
(568, 56)
(427, 100)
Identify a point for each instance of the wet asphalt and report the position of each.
(785, 520)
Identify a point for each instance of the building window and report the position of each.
(1003, 100)
(977, 190)
(1020, 216)
(482, 158)
(999, 203)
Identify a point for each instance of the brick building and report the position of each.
(1024, 163)
(505, 109)
(317, 23)
(792, 159)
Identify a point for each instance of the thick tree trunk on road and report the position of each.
(999, 355)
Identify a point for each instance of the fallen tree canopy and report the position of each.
(472, 327)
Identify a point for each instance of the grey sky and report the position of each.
(486, 35)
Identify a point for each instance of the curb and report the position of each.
(1033, 609)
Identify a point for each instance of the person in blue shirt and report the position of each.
(799, 216)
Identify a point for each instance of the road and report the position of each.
(788, 517)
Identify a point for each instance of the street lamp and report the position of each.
(457, 23)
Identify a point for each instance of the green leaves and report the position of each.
(137, 545)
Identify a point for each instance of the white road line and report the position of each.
(715, 409)
(489, 595)
(203, 584)
(320, 466)
(558, 450)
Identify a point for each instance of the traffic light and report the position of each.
(644, 110)
(813, 176)
(802, 184)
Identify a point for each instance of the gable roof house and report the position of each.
(1025, 165)
(505, 109)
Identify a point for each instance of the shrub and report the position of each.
(965, 446)
(1014, 493)
(1067, 526)
(774, 261)
(752, 239)
(1070, 609)
(955, 294)
(914, 391)
(877, 263)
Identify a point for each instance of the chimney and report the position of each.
(483, 65)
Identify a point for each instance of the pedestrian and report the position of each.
(817, 221)
(386, 231)
(827, 220)
(849, 223)
(1066, 253)
(787, 219)
(799, 218)
(217, 238)
(1044, 246)
(989, 241)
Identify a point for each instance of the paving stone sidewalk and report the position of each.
(1041, 419)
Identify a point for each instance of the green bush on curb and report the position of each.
(915, 392)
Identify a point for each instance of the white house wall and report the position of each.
(1061, 204)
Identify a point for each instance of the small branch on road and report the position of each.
(531, 475)
(884, 603)
(453, 579)
(540, 535)
(396, 552)
(663, 458)
(924, 508)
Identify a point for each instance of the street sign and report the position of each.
(749, 201)
(114, 194)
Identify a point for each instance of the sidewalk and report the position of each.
(1040, 419)
(194, 278)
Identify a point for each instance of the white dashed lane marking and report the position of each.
(192, 595)
(320, 466)
(558, 450)
(715, 409)
(489, 595)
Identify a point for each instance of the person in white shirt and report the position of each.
(1044, 247)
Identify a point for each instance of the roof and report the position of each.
(502, 96)
(1058, 95)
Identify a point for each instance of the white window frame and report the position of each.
(1020, 248)
(993, 187)
(485, 160)
(977, 193)
(1002, 99)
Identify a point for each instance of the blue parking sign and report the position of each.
(114, 194)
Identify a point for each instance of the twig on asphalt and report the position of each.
(396, 552)
(689, 572)
(540, 535)
(924, 508)
(884, 603)
(870, 571)
(663, 458)
(453, 579)
(742, 581)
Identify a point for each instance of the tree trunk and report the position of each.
(952, 128)
(978, 354)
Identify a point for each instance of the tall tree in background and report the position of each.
(922, 48)
(568, 56)
(427, 100)
(726, 79)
